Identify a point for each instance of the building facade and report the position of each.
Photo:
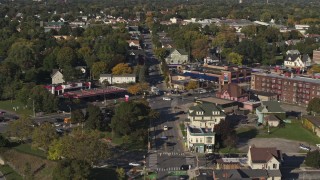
(117, 79)
(205, 115)
(290, 89)
(200, 140)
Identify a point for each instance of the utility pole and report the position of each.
(34, 110)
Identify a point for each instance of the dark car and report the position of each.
(185, 167)
(181, 112)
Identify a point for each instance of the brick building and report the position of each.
(290, 89)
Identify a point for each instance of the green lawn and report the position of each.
(182, 127)
(21, 110)
(9, 173)
(226, 150)
(115, 140)
(26, 148)
(291, 131)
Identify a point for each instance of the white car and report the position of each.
(166, 98)
(165, 128)
(134, 164)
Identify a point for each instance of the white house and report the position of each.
(205, 115)
(297, 61)
(177, 57)
(117, 79)
(268, 158)
(57, 77)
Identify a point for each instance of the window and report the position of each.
(274, 166)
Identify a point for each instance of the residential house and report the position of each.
(272, 120)
(316, 56)
(57, 77)
(117, 79)
(264, 158)
(269, 108)
(205, 115)
(177, 57)
(135, 44)
(246, 174)
(211, 58)
(233, 92)
(134, 30)
(200, 140)
(297, 61)
(312, 123)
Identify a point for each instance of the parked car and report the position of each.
(165, 127)
(181, 112)
(166, 98)
(135, 164)
(304, 147)
(185, 167)
(164, 137)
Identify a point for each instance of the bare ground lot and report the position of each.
(286, 146)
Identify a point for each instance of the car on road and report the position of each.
(165, 127)
(135, 164)
(166, 98)
(164, 137)
(181, 112)
(57, 124)
(185, 167)
(304, 147)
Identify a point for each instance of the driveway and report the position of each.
(286, 146)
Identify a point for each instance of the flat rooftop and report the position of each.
(201, 131)
(296, 78)
(216, 100)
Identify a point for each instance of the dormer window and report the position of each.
(199, 112)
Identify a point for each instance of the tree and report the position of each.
(94, 118)
(192, 85)
(55, 150)
(98, 68)
(66, 57)
(22, 54)
(314, 105)
(129, 117)
(160, 53)
(313, 159)
(43, 100)
(138, 88)
(43, 135)
(121, 174)
(142, 73)
(225, 134)
(3, 141)
(21, 128)
(200, 48)
(314, 69)
(234, 58)
(121, 68)
(83, 145)
(77, 116)
(71, 169)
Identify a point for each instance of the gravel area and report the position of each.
(286, 146)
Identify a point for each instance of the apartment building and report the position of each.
(289, 88)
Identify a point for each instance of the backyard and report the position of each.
(9, 173)
(15, 106)
(291, 131)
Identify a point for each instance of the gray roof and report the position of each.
(207, 109)
(105, 75)
(136, 52)
(292, 57)
(181, 51)
(305, 58)
(296, 78)
(271, 106)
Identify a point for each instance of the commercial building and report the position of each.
(289, 88)
(117, 79)
(200, 140)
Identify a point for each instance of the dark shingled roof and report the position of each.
(263, 155)
(207, 109)
(271, 106)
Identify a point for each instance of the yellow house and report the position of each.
(312, 123)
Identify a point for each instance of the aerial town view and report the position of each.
(159, 89)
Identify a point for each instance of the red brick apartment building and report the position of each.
(290, 89)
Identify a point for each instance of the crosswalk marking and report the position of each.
(168, 169)
(153, 159)
(171, 154)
